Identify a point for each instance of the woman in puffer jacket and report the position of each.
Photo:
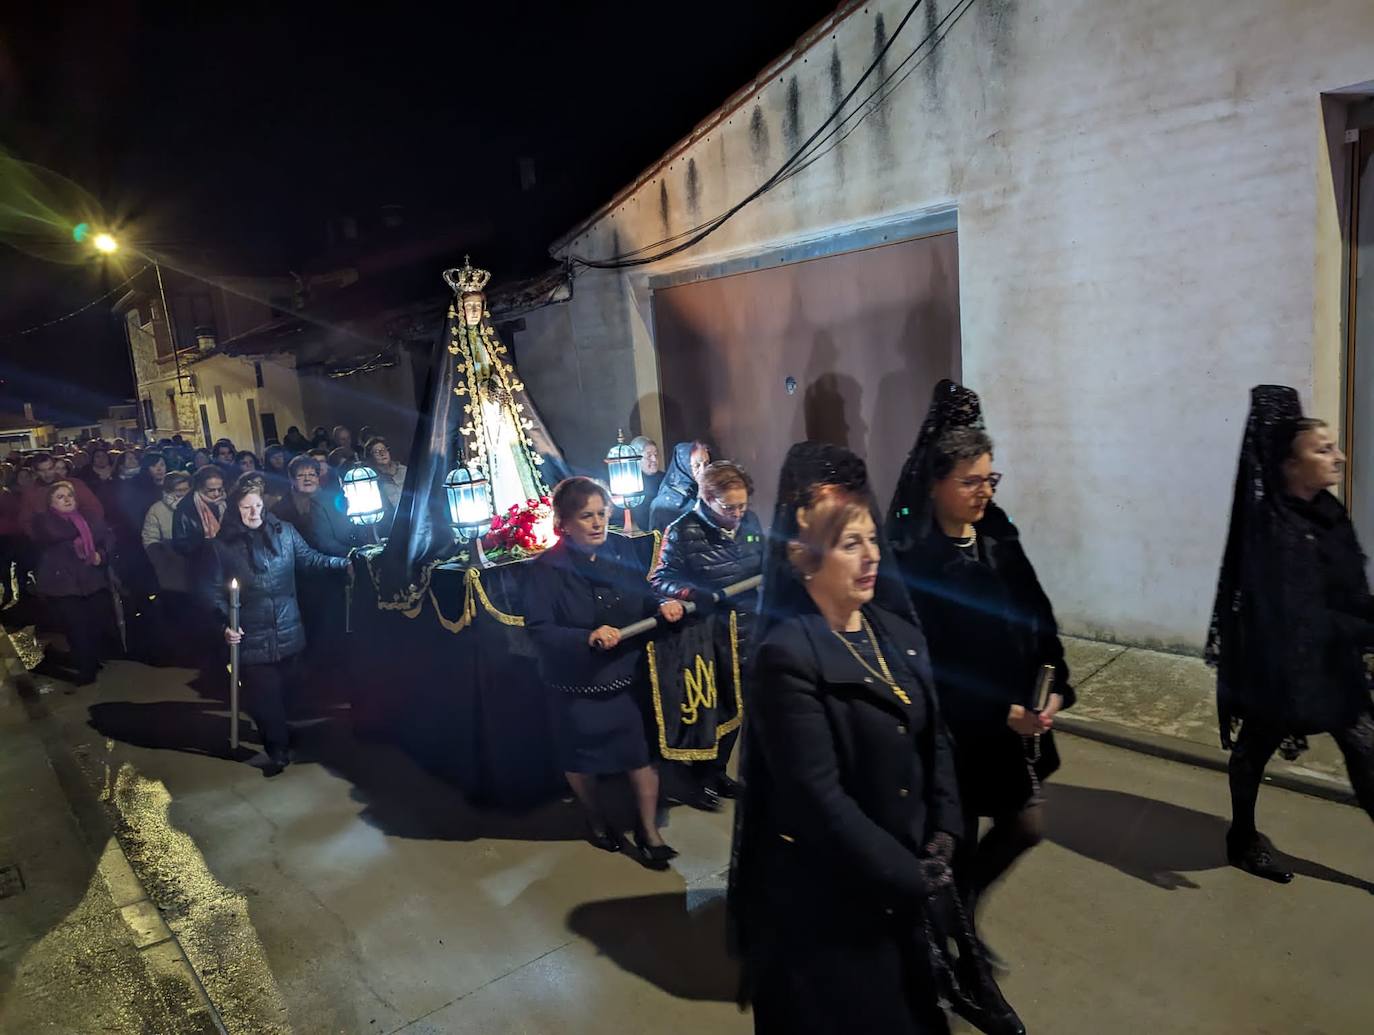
(263, 553)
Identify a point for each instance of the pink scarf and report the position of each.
(209, 516)
(85, 542)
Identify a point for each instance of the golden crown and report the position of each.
(468, 280)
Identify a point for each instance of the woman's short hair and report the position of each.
(150, 458)
(721, 476)
(204, 474)
(957, 446)
(571, 495)
(300, 462)
(238, 457)
(642, 442)
(174, 480)
(821, 523)
(250, 481)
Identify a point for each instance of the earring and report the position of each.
(806, 577)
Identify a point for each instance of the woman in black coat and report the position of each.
(71, 574)
(850, 811)
(263, 554)
(992, 632)
(1293, 617)
(580, 592)
(679, 487)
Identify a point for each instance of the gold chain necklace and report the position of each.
(886, 674)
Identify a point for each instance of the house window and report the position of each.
(257, 373)
(149, 420)
(219, 403)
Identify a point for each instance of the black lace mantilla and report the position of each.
(1248, 637)
(909, 517)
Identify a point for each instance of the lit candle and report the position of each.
(234, 666)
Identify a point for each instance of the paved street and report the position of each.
(356, 894)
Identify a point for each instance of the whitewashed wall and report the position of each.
(1147, 228)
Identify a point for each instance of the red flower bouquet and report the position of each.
(522, 531)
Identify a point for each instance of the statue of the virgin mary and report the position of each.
(500, 431)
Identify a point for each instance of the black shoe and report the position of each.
(726, 787)
(656, 857)
(607, 840)
(704, 799)
(1256, 856)
(279, 757)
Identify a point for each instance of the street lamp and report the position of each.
(107, 244)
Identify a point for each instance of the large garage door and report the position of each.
(843, 349)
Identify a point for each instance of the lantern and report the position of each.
(624, 474)
(469, 505)
(364, 495)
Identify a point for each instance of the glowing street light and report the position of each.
(105, 244)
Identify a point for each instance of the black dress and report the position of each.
(598, 695)
(990, 628)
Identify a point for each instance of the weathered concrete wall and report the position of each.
(236, 379)
(1139, 194)
(173, 414)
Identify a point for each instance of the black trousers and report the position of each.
(1257, 743)
(265, 691)
(85, 622)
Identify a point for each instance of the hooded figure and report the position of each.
(992, 633)
(678, 491)
(1292, 618)
(841, 898)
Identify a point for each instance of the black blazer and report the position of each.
(561, 610)
(845, 784)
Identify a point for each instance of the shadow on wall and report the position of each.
(673, 422)
(832, 410)
(1153, 841)
(660, 939)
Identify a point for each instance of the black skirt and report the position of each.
(601, 733)
(995, 773)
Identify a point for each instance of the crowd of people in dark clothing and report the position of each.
(904, 669)
(121, 547)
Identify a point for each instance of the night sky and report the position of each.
(228, 139)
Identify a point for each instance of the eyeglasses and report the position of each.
(214, 492)
(730, 508)
(974, 484)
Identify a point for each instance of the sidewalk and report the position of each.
(1165, 705)
(81, 947)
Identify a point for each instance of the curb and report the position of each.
(149, 929)
(1174, 749)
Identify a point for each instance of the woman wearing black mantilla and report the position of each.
(1293, 617)
(841, 894)
(992, 632)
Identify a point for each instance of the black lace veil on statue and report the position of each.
(910, 517)
(1248, 642)
(808, 467)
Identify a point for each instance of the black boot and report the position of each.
(1254, 853)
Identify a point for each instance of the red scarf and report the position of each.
(85, 542)
(209, 516)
